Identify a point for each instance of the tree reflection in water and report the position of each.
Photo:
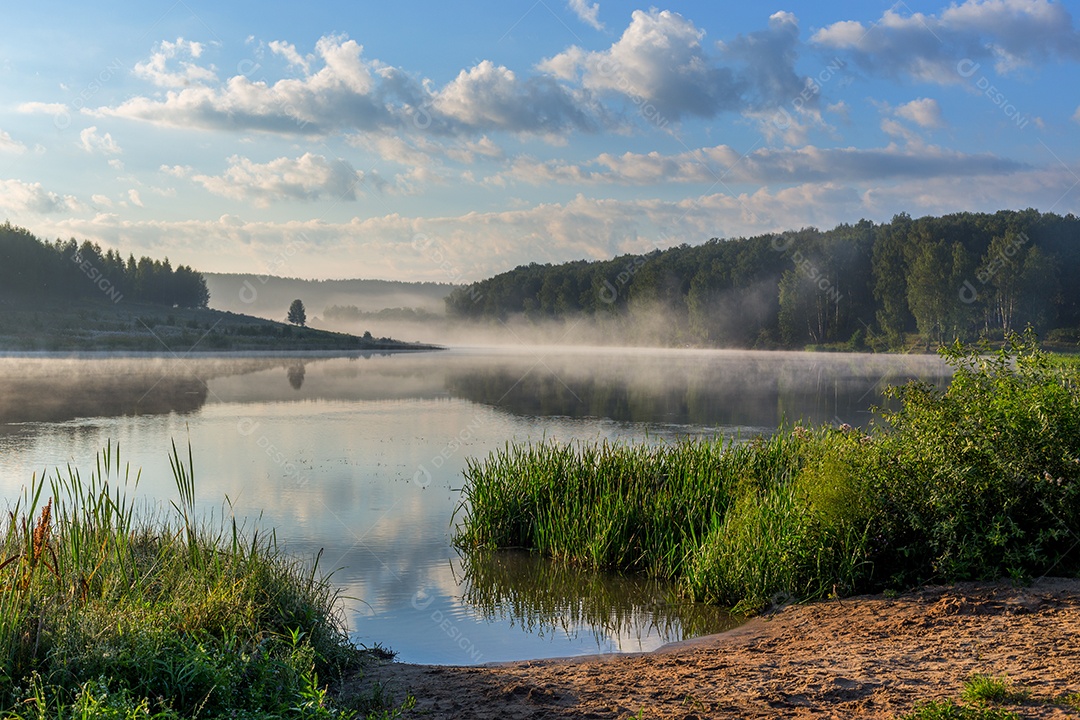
(544, 597)
(296, 374)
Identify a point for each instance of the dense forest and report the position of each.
(963, 276)
(65, 270)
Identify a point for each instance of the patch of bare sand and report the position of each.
(863, 657)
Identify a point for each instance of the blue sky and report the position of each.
(451, 141)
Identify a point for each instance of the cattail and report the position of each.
(41, 532)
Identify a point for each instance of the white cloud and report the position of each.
(156, 68)
(349, 93)
(840, 109)
(586, 12)
(91, 142)
(764, 166)
(768, 58)
(339, 95)
(179, 171)
(924, 112)
(308, 177)
(660, 59)
(133, 197)
(42, 108)
(582, 227)
(489, 97)
(894, 128)
(662, 66)
(9, 145)
(929, 48)
(18, 197)
(288, 51)
(103, 200)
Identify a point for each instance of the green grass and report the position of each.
(109, 612)
(987, 689)
(977, 481)
(983, 696)
(948, 710)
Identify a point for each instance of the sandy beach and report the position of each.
(861, 657)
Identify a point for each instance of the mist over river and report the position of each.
(362, 456)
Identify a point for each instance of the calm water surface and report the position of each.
(362, 457)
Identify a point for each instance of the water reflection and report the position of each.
(57, 390)
(543, 597)
(742, 392)
(362, 456)
(296, 375)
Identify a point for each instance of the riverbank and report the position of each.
(979, 480)
(54, 326)
(861, 657)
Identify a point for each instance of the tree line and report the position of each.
(962, 276)
(67, 270)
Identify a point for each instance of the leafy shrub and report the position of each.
(977, 481)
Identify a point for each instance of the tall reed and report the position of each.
(100, 595)
(976, 481)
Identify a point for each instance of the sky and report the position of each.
(434, 141)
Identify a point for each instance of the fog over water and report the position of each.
(362, 456)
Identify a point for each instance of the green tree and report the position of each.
(297, 314)
(929, 291)
(1003, 269)
(890, 274)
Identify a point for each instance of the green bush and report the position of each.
(977, 481)
(982, 480)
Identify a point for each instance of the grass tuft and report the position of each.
(987, 689)
(108, 613)
(948, 710)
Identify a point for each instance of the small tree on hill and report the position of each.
(297, 314)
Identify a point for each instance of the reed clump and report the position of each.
(107, 612)
(977, 481)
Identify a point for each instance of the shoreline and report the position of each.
(211, 354)
(868, 657)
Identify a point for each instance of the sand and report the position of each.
(863, 657)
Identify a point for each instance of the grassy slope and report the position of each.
(55, 326)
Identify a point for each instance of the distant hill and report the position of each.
(269, 296)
